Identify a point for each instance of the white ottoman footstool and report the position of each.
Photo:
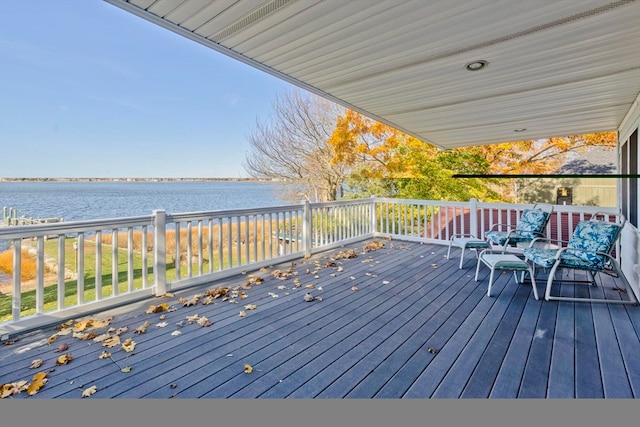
(498, 260)
(466, 241)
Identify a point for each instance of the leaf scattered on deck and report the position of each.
(36, 363)
(89, 391)
(157, 308)
(129, 345)
(142, 328)
(64, 359)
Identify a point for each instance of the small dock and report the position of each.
(10, 218)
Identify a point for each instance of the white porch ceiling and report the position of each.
(556, 67)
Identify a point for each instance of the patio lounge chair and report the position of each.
(531, 225)
(589, 249)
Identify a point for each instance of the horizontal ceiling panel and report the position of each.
(556, 68)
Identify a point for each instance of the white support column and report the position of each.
(372, 216)
(473, 217)
(306, 229)
(160, 251)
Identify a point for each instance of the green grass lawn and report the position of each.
(28, 299)
(28, 302)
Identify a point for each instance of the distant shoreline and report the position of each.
(131, 179)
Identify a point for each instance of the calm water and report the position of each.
(75, 201)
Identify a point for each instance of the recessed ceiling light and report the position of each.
(519, 130)
(476, 65)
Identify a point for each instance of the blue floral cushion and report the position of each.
(593, 236)
(589, 237)
(530, 226)
(546, 257)
(532, 223)
(543, 257)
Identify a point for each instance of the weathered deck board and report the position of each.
(431, 332)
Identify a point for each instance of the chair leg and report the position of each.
(490, 282)
(478, 267)
(533, 283)
(632, 299)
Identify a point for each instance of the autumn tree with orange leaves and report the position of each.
(390, 163)
(538, 157)
(316, 147)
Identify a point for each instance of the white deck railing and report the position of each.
(69, 269)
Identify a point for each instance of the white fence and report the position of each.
(86, 266)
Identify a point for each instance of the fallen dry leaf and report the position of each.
(36, 363)
(192, 318)
(39, 376)
(175, 333)
(52, 338)
(12, 389)
(82, 325)
(89, 391)
(104, 355)
(250, 307)
(35, 387)
(189, 302)
(208, 299)
(243, 313)
(64, 359)
(62, 347)
(103, 337)
(111, 341)
(248, 368)
(128, 345)
(97, 324)
(38, 381)
(126, 369)
(157, 308)
(354, 288)
(142, 328)
(203, 321)
(161, 324)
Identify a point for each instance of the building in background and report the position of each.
(595, 189)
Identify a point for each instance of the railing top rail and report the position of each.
(202, 215)
(421, 201)
(36, 230)
(556, 208)
(337, 203)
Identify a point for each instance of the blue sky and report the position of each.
(89, 90)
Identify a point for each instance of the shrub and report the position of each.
(28, 264)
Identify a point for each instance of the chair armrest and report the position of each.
(506, 227)
(453, 236)
(558, 242)
(567, 248)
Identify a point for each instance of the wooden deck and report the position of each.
(401, 321)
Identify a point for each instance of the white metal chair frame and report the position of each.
(558, 259)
